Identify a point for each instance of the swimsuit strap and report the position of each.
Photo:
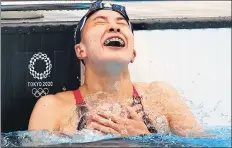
(135, 93)
(137, 100)
(82, 111)
(77, 94)
(136, 97)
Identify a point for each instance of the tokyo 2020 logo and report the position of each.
(33, 72)
(40, 88)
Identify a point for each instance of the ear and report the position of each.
(133, 56)
(80, 51)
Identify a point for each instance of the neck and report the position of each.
(111, 79)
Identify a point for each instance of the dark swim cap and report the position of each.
(96, 6)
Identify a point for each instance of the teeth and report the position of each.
(107, 42)
(114, 39)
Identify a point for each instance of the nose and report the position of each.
(114, 29)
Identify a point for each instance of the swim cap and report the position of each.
(96, 6)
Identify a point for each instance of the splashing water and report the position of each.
(90, 138)
(85, 137)
(44, 137)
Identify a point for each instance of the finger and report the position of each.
(132, 113)
(112, 117)
(106, 122)
(102, 128)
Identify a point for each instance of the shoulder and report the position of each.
(56, 99)
(156, 87)
(56, 102)
(49, 110)
(154, 83)
(160, 95)
(159, 92)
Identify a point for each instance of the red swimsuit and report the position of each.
(83, 110)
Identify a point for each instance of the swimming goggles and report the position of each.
(99, 5)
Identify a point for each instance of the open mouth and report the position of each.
(114, 42)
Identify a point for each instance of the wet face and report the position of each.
(106, 37)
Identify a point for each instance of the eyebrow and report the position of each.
(100, 17)
(105, 18)
(120, 18)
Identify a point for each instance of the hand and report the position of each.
(113, 124)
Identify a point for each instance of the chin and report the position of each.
(116, 60)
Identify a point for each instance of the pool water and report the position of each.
(221, 138)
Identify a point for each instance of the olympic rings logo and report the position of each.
(40, 92)
(46, 59)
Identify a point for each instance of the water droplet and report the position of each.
(64, 88)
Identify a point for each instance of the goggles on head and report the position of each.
(99, 5)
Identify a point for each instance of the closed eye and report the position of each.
(100, 22)
(121, 20)
(100, 19)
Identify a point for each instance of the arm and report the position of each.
(44, 114)
(181, 119)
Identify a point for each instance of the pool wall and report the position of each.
(197, 62)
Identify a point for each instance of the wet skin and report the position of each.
(110, 89)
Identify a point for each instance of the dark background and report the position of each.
(18, 44)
